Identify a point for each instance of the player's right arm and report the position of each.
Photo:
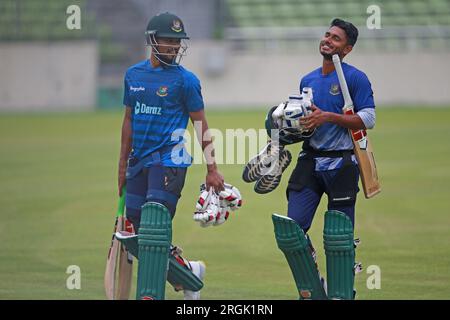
(319, 117)
(125, 148)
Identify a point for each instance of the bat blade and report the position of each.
(125, 266)
(362, 146)
(368, 169)
(111, 263)
(111, 270)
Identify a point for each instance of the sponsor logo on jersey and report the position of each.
(177, 26)
(136, 89)
(142, 108)
(162, 91)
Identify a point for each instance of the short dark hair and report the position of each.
(350, 30)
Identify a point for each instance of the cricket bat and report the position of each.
(119, 263)
(125, 265)
(361, 143)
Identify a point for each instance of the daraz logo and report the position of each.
(141, 108)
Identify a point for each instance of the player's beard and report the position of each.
(326, 56)
(166, 59)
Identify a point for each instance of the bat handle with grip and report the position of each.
(348, 103)
(121, 205)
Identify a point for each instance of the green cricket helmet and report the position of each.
(166, 25)
(169, 26)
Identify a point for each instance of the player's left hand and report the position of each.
(315, 119)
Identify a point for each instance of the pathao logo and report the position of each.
(176, 26)
(136, 89)
(162, 91)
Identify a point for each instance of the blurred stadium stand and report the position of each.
(31, 20)
(126, 22)
(406, 24)
(40, 56)
(232, 39)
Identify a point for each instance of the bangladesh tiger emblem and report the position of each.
(177, 26)
(335, 90)
(162, 91)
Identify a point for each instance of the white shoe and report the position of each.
(198, 268)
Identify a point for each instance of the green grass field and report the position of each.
(58, 197)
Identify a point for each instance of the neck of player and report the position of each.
(327, 66)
